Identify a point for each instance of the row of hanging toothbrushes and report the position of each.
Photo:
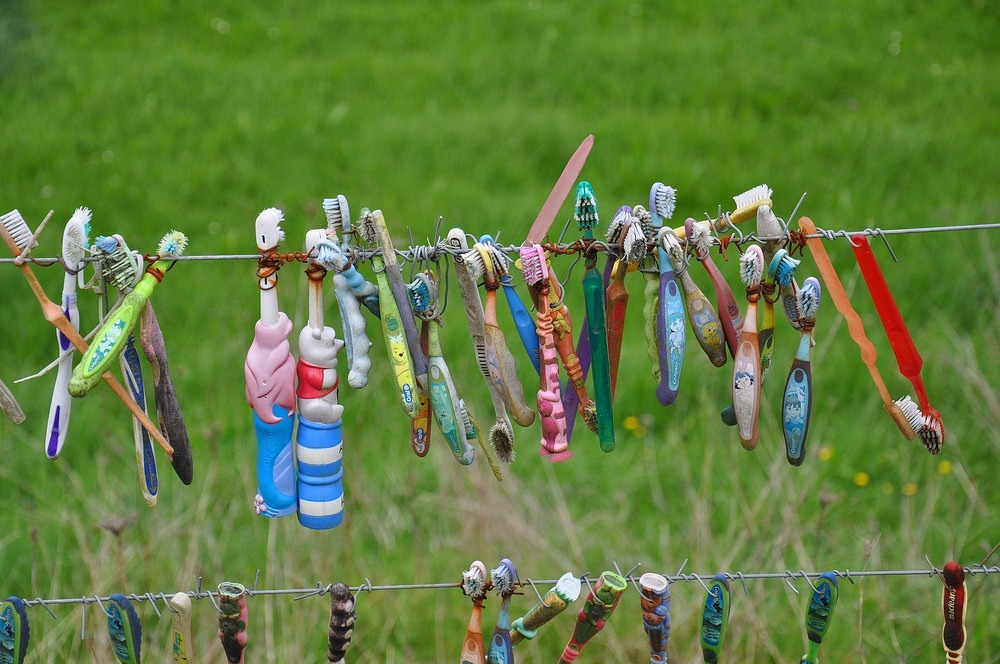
(602, 598)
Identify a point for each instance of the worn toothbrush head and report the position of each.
(585, 211)
(533, 265)
(269, 233)
(338, 214)
(634, 243)
(662, 201)
(749, 202)
(423, 292)
(928, 425)
(700, 235)
(781, 269)
(807, 302)
(670, 244)
(474, 580)
(18, 229)
(76, 237)
(502, 439)
(120, 266)
(617, 226)
(503, 578)
(366, 226)
(752, 267)
(172, 245)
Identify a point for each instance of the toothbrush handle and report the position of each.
(563, 328)
(501, 649)
(355, 328)
(670, 334)
(319, 453)
(9, 404)
(704, 321)
(617, 301)
(445, 405)
(395, 342)
(473, 648)
(953, 605)
(593, 294)
(570, 398)
(125, 629)
(146, 461)
(729, 311)
(746, 383)
(522, 321)
(651, 299)
(59, 408)
(796, 404)
(181, 605)
(909, 360)
(503, 365)
(420, 425)
(555, 439)
(766, 339)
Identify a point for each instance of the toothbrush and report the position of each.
(418, 292)
(474, 585)
(715, 617)
(501, 650)
(122, 268)
(670, 333)
(474, 432)
(14, 629)
(180, 603)
(519, 313)
(819, 614)
(233, 620)
(554, 602)
(747, 205)
(319, 438)
(704, 320)
(596, 611)
(780, 270)
(854, 324)
(562, 326)
(796, 404)
(393, 322)
(783, 266)
(351, 289)
(342, 617)
(585, 214)
(768, 225)
(74, 243)
(700, 238)
(487, 262)
(925, 421)
(954, 599)
(119, 325)
(625, 231)
(9, 404)
(555, 440)
(270, 377)
(746, 361)
(168, 410)
(655, 602)
(502, 433)
(124, 629)
(17, 236)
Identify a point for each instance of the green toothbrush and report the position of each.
(819, 614)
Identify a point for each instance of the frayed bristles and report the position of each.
(474, 580)
(617, 225)
(336, 211)
(473, 260)
(701, 236)
(782, 268)
(752, 266)
(120, 267)
(501, 263)
(533, 264)
(662, 200)
(330, 256)
(366, 226)
(589, 414)
(645, 222)
(503, 577)
(807, 299)
(18, 229)
(927, 426)
(585, 211)
(172, 245)
(423, 297)
(634, 244)
(502, 439)
(673, 248)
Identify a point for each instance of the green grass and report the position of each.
(196, 117)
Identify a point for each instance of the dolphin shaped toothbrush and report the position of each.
(270, 376)
(554, 602)
(74, 243)
(819, 614)
(124, 629)
(523, 321)
(746, 362)
(670, 333)
(596, 611)
(501, 650)
(655, 602)
(954, 599)
(474, 585)
(796, 404)
(704, 320)
(715, 618)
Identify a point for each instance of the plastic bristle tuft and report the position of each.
(663, 200)
(501, 264)
(931, 434)
(474, 580)
(752, 265)
(911, 411)
(617, 224)
(533, 264)
(807, 299)
(18, 229)
(423, 297)
(336, 212)
(784, 272)
(701, 236)
(673, 248)
(503, 577)
(645, 222)
(753, 196)
(502, 439)
(585, 212)
(589, 415)
(634, 243)
(473, 260)
(173, 244)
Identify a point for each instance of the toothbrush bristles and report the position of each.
(503, 577)
(807, 299)
(474, 580)
(277, 216)
(367, 227)
(634, 243)
(585, 212)
(751, 266)
(502, 439)
(617, 225)
(18, 229)
(752, 196)
(664, 200)
(172, 245)
(646, 223)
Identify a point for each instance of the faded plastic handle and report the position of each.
(593, 294)
(671, 336)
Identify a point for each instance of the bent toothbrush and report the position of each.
(925, 420)
(474, 432)
(796, 402)
(600, 604)
(768, 225)
(351, 290)
(124, 629)
(549, 402)
(655, 602)
(854, 324)
(954, 599)
(715, 618)
(501, 650)
(585, 214)
(270, 377)
(75, 241)
(747, 205)
(475, 587)
(502, 432)
(487, 262)
(518, 312)
(233, 620)
(670, 330)
(9, 404)
(700, 237)
(746, 362)
(625, 231)
(419, 294)
(122, 268)
(393, 322)
(180, 647)
(704, 320)
(554, 602)
(14, 630)
(819, 614)
(18, 237)
(342, 617)
(319, 438)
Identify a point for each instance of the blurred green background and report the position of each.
(196, 116)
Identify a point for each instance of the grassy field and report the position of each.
(196, 116)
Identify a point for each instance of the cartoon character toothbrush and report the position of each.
(819, 614)
(17, 236)
(668, 308)
(14, 630)
(600, 604)
(715, 618)
(419, 294)
(319, 442)
(586, 216)
(954, 599)
(124, 629)
(554, 602)
(393, 325)
(270, 378)
(523, 321)
(746, 362)
(181, 645)
(700, 237)
(925, 421)
(655, 603)
(75, 241)
(122, 268)
(555, 443)
(233, 619)
(796, 404)
(475, 587)
(342, 617)
(625, 231)
(704, 320)
(502, 578)
(854, 324)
